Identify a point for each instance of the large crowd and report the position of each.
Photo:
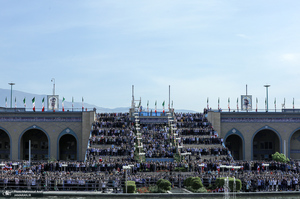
(113, 144)
(110, 175)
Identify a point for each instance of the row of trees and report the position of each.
(193, 184)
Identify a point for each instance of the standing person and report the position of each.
(100, 184)
(279, 179)
(33, 182)
(259, 184)
(5, 182)
(275, 184)
(28, 181)
(270, 184)
(289, 184)
(17, 181)
(266, 183)
(296, 184)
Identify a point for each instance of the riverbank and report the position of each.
(21, 194)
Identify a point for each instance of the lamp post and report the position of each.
(53, 80)
(11, 84)
(52, 99)
(267, 96)
(126, 168)
(29, 158)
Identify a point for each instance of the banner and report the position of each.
(52, 102)
(246, 102)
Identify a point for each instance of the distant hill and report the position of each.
(19, 95)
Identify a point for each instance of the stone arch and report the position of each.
(41, 143)
(265, 141)
(294, 145)
(237, 152)
(5, 145)
(68, 152)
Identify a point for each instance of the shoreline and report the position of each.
(15, 193)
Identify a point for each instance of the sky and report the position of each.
(202, 49)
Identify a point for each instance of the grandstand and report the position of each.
(160, 136)
(151, 145)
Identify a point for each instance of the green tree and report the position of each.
(280, 157)
(187, 182)
(131, 187)
(164, 184)
(221, 181)
(196, 183)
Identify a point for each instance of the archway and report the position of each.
(67, 147)
(265, 143)
(235, 145)
(4, 145)
(39, 145)
(295, 145)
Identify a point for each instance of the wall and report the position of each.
(53, 124)
(249, 124)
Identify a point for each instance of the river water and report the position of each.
(163, 196)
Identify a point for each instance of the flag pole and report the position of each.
(72, 104)
(275, 104)
(169, 96)
(246, 97)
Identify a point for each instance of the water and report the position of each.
(166, 197)
(226, 188)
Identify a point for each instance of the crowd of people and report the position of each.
(201, 140)
(157, 141)
(113, 144)
(105, 175)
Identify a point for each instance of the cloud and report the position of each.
(243, 36)
(289, 64)
(292, 58)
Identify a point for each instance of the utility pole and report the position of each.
(267, 96)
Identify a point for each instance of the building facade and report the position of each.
(52, 135)
(258, 135)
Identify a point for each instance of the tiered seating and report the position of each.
(198, 137)
(112, 137)
(156, 141)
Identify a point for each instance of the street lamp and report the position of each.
(53, 104)
(126, 168)
(53, 80)
(267, 86)
(11, 84)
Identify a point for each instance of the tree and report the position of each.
(221, 181)
(164, 184)
(131, 187)
(280, 157)
(196, 183)
(187, 182)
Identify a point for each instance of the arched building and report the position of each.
(257, 135)
(53, 135)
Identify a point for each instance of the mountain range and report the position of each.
(18, 97)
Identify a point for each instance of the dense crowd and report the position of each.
(101, 176)
(113, 144)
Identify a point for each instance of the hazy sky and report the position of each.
(99, 49)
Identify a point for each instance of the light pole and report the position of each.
(53, 80)
(53, 104)
(267, 86)
(126, 168)
(11, 84)
(29, 153)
